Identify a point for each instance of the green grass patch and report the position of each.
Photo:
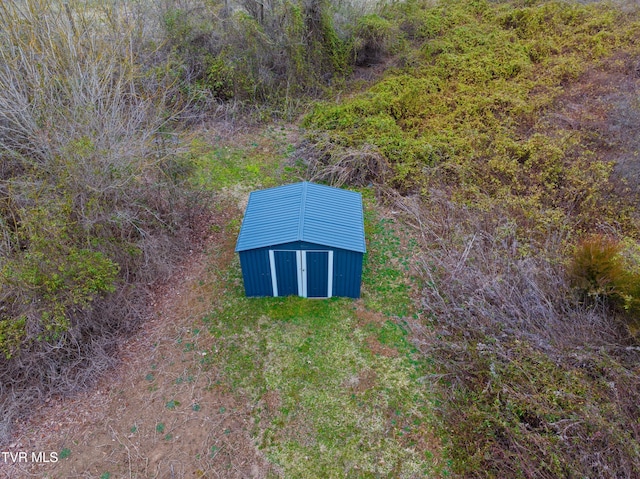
(224, 167)
(341, 409)
(392, 334)
(385, 280)
(256, 164)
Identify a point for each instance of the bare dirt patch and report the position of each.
(367, 316)
(377, 347)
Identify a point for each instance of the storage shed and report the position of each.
(302, 239)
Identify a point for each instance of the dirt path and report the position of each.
(164, 412)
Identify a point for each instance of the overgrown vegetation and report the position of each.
(505, 136)
(270, 55)
(496, 135)
(92, 207)
(536, 381)
(466, 107)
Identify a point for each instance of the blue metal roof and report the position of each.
(303, 212)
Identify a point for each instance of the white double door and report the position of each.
(306, 273)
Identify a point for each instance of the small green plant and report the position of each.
(213, 451)
(65, 453)
(12, 334)
(172, 404)
(160, 428)
(105, 475)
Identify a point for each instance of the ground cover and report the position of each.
(337, 385)
(220, 385)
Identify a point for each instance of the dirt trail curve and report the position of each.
(163, 412)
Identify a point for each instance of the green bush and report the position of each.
(374, 36)
(47, 280)
(12, 335)
(598, 270)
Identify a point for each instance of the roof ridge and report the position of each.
(303, 201)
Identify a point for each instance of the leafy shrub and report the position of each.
(599, 271)
(596, 268)
(12, 335)
(373, 38)
(43, 285)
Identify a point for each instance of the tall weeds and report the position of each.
(534, 383)
(269, 57)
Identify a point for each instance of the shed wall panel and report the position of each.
(256, 272)
(347, 273)
(317, 274)
(286, 272)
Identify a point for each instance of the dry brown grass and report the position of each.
(534, 382)
(349, 166)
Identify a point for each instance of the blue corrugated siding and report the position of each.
(347, 269)
(286, 272)
(347, 273)
(317, 274)
(303, 212)
(256, 272)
